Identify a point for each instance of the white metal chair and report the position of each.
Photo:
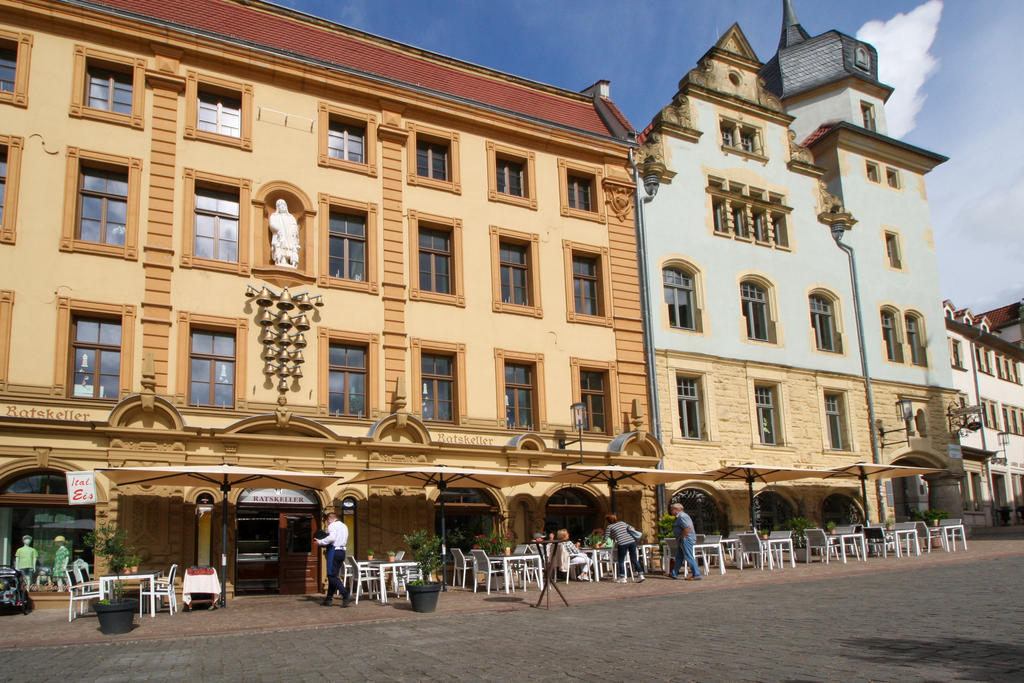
(951, 529)
(877, 541)
(816, 540)
(81, 592)
(161, 589)
(462, 566)
(486, 566)
(363, 577)
(752, 550)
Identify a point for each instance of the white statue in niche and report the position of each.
(284, 241)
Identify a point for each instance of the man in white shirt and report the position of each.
(335, 540)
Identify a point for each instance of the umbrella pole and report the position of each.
(225, 487)
(441, 486)
(864, 496)
(612, 484)
(750, 491)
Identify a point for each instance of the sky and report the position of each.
(957, 88)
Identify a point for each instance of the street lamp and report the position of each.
(1004, 441)
(905, 412)
(578, 411)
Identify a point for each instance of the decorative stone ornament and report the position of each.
(284, 241)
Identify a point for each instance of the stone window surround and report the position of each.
(597, 202)
(327, 336)
(899, 339)
(501, 356)
(238, 326)
(326, 113)
(527, 159)
(435, 135)
(700, 371)
(888, 232)
(532, 243)
(738, 128)
(838, 334)
(8, 228)
(243, 187)
(775, 383)
(196, 82)
(775, 335)
(773, 207)
(135, 66)
(605, 317)
(701, 315)
(457, 352)
(22, 44)
(327, 204)
(68, 308)
(132, 168)
(457, 297)
(844, 417)
(611, 390)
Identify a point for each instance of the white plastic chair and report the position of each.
(361, 577)
(81, 592)
(753, 550)
(461, 568)
(816, 540)
(951, 529)
(487, 566)
(161, 589)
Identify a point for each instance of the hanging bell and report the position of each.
(318, 301)
(265, 319)
(284, 302)
(269, 353)
(251, 291)
(296, 357)
(296, 371)
(269, 368)
(303, 302)
(300, 322)
(268, 336)
(282, 322)
(265, 297)
(298, 340)
(282, 354)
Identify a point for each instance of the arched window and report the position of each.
(823, 322)
(893, 347)
(915, 339)
(679, 297)
(572, 509)
(771, 510)
(861, 58)
(840, 509)
(754, 301)
(468, 512)
(702, 508)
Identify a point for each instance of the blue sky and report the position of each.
(970, 92)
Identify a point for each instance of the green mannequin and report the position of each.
(25, 559)
(60, 562)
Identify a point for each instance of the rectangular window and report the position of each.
(432, 160)
(754, 300)
(767, 418)
(220, 114)
(585, 285)
(679, 298)
(892, 177)
(519, 392)
(834, 410)
(957, 360)
(867, 113)
(8, 66)
(779, 230)
(747, 141)
(212, 369)
(892, 250)
(579, 193)
(346, 380)
(109, 90)
(347, 237)
(509, 179)
(216, 225)
(761, 227)
(345, 141)
(102, 206)
(688, 392)
(95, 358)
(515, 276)
(893, 347)
(821, 321)
(435, 261)
(728, 134)
(739, 220)
(719, 213)
(3, 181)
(918, 354)
(871, 169)
(592, 393)
(438, 387)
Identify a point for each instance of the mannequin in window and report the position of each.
(284, 241)
(60, 562)
(25, 559)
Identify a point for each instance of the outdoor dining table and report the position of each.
(779, 545)
(948, 536)
(716, 549)
(901, 536)
(507, 562)
(646, 550)
(595, 559)
(856, 538)
(200, 581)
(383, 567)
(141, 577)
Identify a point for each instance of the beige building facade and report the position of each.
(236, 234)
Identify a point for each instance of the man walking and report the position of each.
(682, 529)
(335, 540)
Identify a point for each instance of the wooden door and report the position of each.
(297, 569)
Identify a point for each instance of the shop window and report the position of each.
(218, 110)
(841, 510)
(771, 510)
(211, 368)
(435, 249)
(95, 358)
(707, 515)
(108, 87)
(469, 512)
(15, 52)
(347, 379)
(511, 176)
(101, 214)
(347, 139)
(433, 159)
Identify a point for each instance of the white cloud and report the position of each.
(904, 62)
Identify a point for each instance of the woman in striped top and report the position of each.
(625, 542)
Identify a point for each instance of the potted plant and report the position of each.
(116, 614)
(391, 555)
(932, 517)
(426, 550)
(890, 523)
(370, 554)
(665, 526)
(797, 525)
(494, 543)
(830, 527)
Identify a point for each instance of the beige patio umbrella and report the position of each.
(223, 476)
(614, 474)
(442, 476)
(873, 471)
(766, 474)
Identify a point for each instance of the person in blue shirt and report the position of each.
(682, 529)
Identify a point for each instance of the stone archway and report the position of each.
(938, 491)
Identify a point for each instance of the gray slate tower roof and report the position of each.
(803, 63)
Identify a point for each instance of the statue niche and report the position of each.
(284, 234)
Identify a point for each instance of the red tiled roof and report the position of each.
(998, 317)
(271, 27)
(822, 130)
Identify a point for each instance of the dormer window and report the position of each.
(861, 59)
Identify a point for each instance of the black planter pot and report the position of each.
(117, 617)
(424, 598)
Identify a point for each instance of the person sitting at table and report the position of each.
(624, 536)
(571, 556)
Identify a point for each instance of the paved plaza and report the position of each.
(940, 617)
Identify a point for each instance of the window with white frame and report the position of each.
(823, 323)
(835, 419)
(765, 398)
(679, 297)
(689, 405)
(754, 301)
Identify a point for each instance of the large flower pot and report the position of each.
(116, 617)
(424, 598)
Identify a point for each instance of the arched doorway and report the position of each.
(572, 509)
(703, 509)
(39, 532)
(909, 495)
(468, 513)
(771, 510)
(841, 509)
(274, 541)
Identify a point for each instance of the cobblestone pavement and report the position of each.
(940, 617)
